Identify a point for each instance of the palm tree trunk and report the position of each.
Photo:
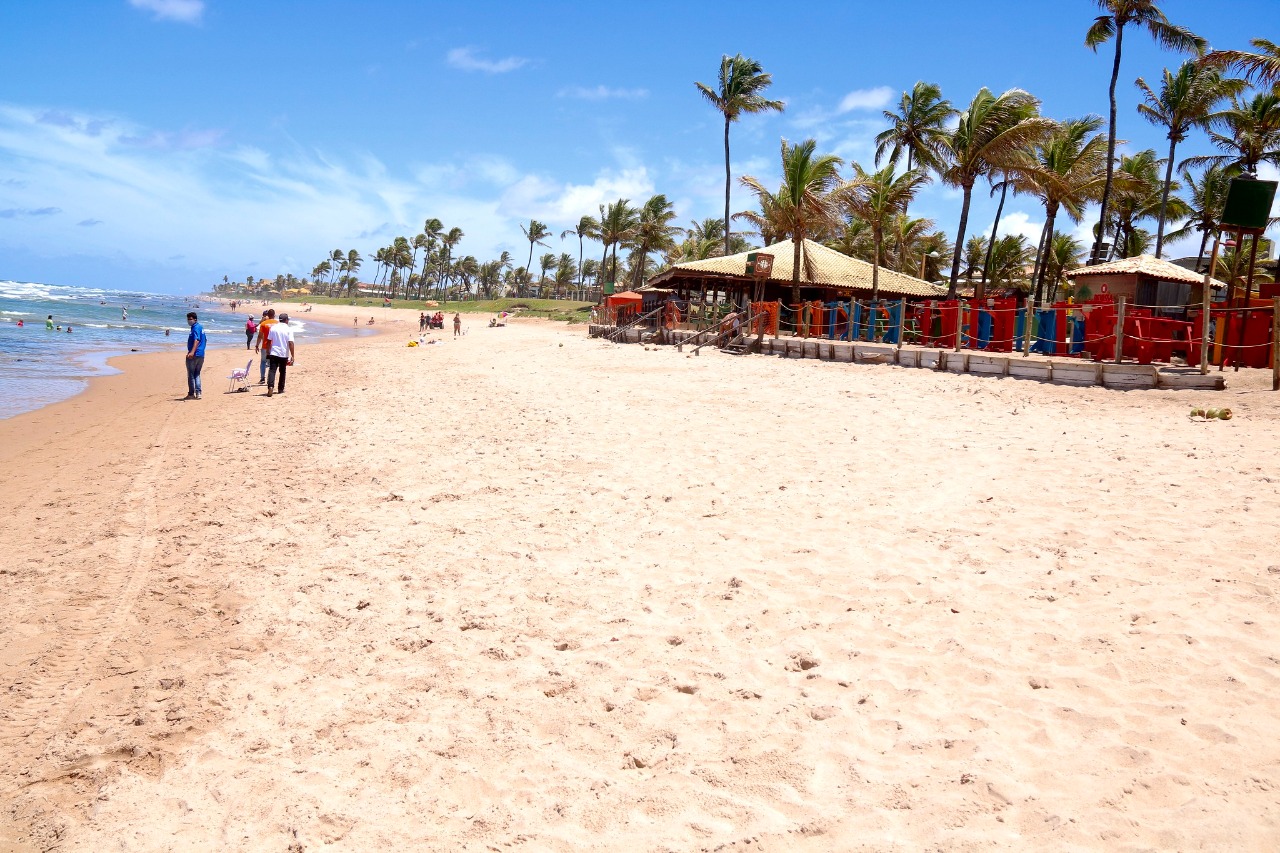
(875, 267)
(579, 263)
(1204, 243)
(529, 266)
(1111, 148)
(964, 223)
(797, 243)
(727, 184)
(604, 265)
(1048, 247)
(991, 244)
(1164, 197)
(1044, 232)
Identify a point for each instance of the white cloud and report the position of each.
(186, 11)
(465, 59)
(550, 201)
(600, 93)
(866, 99)
(223, 206)
(1017, 222)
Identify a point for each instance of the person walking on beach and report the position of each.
(422, 322)
(264, 329)
(280, 342)
(457, 325)
(250, 329)
(195, 356)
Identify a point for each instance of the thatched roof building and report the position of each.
(825, 273)
(1144, 280)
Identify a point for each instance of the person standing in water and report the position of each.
(196, 341)
(48, 324)
(124, 313)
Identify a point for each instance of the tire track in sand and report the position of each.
(53, 690)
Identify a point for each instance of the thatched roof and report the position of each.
(822, 266)
(1145, 265)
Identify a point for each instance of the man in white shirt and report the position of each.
(279, 353)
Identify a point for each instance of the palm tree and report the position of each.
(653, 233)
(976, 251)
(1009, 260)
(917, 128)
(587, 227)
(1138, 199)
(536, 233)
(990, 135)
(742, 82)
(1187, 100)
(1261, 68)
(1003, 186)
(449, 242)
(431, 229)
(419, 242)
(1206, 199)
(1063, 254)
(547, 262)
(1250, 137)
(565, 269)
(805, 203)
(876, 198)
(1066, 172)
(352, 266)
(1119, 14)
(617, 222)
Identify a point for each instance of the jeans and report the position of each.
(262, 366)
(194, 366)
(248, 340)
(281, 363)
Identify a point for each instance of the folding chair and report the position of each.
(239, 378)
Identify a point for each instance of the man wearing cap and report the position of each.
(280, 352)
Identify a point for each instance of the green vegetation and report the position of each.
(567, 310)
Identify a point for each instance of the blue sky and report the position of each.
(162, 144)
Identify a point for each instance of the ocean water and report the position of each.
(38, 367)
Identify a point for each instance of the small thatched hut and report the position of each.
(1142, 280)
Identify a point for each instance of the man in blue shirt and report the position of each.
(195, 356)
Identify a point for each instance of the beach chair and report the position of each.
(239, 378)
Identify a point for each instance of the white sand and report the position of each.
(527, 590)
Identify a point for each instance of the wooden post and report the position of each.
(902, 321)
(1248, 296)
(959, 324)
(1120, 331)
(1204, 305)
(1275, 344)
(777, 328)
(1026, 328)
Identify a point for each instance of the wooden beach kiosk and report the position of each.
(745, 303)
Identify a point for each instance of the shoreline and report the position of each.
(105, 360)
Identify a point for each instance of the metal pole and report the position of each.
(902, 320)
(959, 324)
(1204, 305)
(1120, 331)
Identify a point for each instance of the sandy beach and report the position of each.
(527, 590)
